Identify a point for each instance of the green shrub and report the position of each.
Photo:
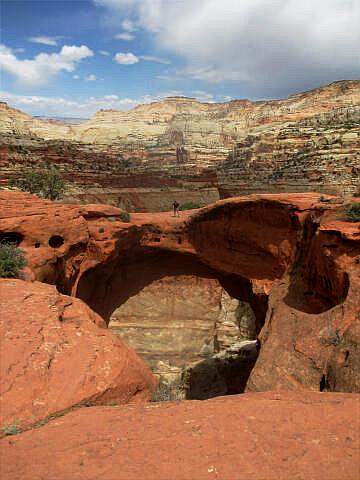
(353, 212)
(125, 217)
(11, 430)
(43, 181)
(12, 260)
(189, 206)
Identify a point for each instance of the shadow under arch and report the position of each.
(107, 286)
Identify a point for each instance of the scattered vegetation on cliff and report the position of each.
(12, 260)
(11, 430)
(125, 217)
(353, 212)
(189, 206)
(43, 181)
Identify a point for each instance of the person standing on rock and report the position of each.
(175, 207)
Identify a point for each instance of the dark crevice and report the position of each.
(14, 238)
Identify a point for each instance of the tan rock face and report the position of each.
(56, 353)
(180, 148)
(254, 436)
(178, 323)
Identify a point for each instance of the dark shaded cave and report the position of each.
(14, 238)
(106, 287)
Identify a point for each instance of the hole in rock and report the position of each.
(318, 282)
(196, 327)
(11, 237)
(324, 384)
(56, 241)
(37, 245)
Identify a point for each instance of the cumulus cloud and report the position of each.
(44, 66)
(44, 40)
(268, 44)
(58, 106)
(126, 58)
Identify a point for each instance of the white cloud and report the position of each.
(153, 58)
(128, 25)
(76, 77)
(90, 78)
(44, 66)
(203, 96)
(104, 52)
(124, 36)
(266, 44)
(44, 40)
(58, 106)
(126, 58)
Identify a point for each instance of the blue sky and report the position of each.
(72, 58)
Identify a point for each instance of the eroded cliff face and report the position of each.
(191, 294)
(181, 148)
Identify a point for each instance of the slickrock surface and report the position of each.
(183, 149)
(56, 353)
(267, 436)
(292, 258)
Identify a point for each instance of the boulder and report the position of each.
(56, 354)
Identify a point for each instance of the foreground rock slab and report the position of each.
(260, 436)
(55, 353)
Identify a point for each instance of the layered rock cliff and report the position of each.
(142, 159)
(191, 294)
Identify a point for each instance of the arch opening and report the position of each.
(188, 321)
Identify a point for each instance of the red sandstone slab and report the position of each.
(264, 436)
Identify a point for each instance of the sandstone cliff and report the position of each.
(185, 292)
(197, 289)
(179, 147)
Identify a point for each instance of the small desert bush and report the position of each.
(189, 206)
(12, 260)
(11, 430)
(169, 392)
(125, 217)
(353, 212)
(43, 181)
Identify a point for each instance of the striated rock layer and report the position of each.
(174, 286)
(56, 353)
(181, 148)
(254, 436)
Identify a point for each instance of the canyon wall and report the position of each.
(192, 293)
(183, 149)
